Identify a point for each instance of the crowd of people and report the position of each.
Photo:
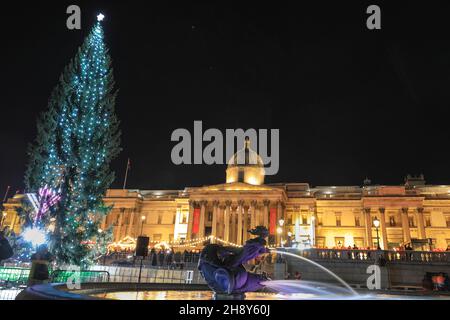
(171, 259)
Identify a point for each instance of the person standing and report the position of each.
(40, 262)
(6, 250)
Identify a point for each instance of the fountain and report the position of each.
(222, 267)
(223, 270)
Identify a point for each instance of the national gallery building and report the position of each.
(336, 216)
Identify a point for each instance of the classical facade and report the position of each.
(412, 213)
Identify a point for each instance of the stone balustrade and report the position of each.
(373, 255)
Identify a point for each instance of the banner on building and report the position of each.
(273, 221)
(196, 220)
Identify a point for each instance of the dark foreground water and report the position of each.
(208, 295)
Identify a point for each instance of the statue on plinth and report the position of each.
(223, 269)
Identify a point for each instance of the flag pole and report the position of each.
(6, 194)
(126, 174)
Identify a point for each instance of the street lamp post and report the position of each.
(289, 239)
(376, 223)
(142, 223)
(280, 230)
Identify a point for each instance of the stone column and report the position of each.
(313, 225)
(279, 216)
(226, 217)
(190, 220)
(296, 222)
(240, 213)
(220, 222)
(253, 217)
(14, 219)
(130, 222)
(201, 231)
(119, 225)
(214, 220)
(420, 224)
(259, 214)
(233, 214)
(405, 226)
(368, 225)
(266, 204)
(137, 224)
(245, 224)
(384, 237)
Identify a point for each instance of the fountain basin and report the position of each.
(154, 291)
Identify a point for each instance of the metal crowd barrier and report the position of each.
(12, 281)
(62, 276)
(13, 276)
(151, 275)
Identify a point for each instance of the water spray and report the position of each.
(345, 284)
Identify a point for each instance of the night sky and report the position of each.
(349, 102)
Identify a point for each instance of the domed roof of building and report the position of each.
(246, 157)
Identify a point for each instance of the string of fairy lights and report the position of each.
(183, 243)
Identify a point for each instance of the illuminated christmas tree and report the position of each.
(77, 138)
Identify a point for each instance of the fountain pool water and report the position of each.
(277, 290)
(269, 290)
(289, 290)
(345, 284)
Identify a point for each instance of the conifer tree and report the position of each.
(77, 138)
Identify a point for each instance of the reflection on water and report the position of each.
(208, 295)
(177, 295)
(157, 295)
(314, 288)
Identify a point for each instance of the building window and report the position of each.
(159, 218)
(427, 221)
(320, 242)
(304, 219)
(210, 216)
(339, 242)
(392, 222)
(338, 220)
(289, 219)
(357, 221)
(447, 221)
(359, 242)
(241, 176)
(184, 218)
(411, 222)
